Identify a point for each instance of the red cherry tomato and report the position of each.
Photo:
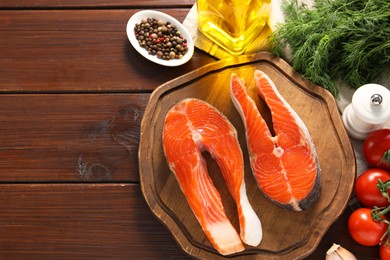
(366, 190)
(376, 149)
(363, 229)
(384, 252)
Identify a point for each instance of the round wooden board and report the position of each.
(286, 234)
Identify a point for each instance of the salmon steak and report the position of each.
(191, 127)
(284, 162)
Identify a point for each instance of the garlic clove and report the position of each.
(337, 252)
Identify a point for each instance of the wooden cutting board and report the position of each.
(286, 234)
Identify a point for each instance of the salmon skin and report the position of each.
(191, 127)
(285, 165)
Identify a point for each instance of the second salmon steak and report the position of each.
(285, 165)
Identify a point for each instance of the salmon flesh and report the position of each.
(192, 126)
(285, 164)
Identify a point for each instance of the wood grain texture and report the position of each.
(79, 50)
(79, 221)
(57, 142)
(70, 137)
(93, 3)
(317, 109)
(103, 221)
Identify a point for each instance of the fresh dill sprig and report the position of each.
(347, 40)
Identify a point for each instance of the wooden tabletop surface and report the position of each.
(72, 95)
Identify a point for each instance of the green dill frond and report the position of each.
(336, 40)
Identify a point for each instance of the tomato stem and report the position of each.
(385, 158)
(378, 213)
(386, 235)
(383, 187)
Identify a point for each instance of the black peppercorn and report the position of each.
(161, 39)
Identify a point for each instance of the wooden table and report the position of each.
(72, 95)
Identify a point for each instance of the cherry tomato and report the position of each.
(366, 190)
(363, 229)
(376, 149)
(384, 252)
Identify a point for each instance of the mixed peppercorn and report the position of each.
(161, 39)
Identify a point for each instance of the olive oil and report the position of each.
(232, 24)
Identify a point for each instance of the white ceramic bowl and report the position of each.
(137, 17)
